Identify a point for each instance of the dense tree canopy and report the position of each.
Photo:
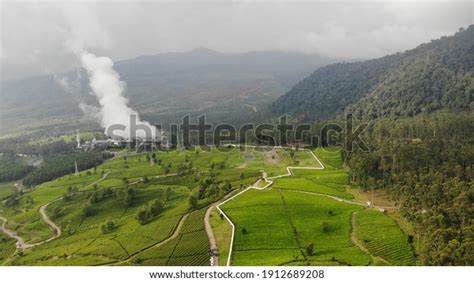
(62, 164)
(13, 168)
(427, 163)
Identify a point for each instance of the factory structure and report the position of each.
(158, 143)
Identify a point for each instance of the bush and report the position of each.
(87, 210)
(143, 215)
(156, 207)
(108, 226)
(327, 227)
(193, 201)
(310, 249)
(131, 197)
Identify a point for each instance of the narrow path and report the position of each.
(210, 235)
(359, 244)
(330, 196)
(293, 227)
(156, 245)
(98, 180)
(50, 223)
(20, 242)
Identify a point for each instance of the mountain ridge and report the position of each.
(391, 86)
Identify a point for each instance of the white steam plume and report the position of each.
(108, 89)
(87, 32)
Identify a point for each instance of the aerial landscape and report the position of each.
(260, 156)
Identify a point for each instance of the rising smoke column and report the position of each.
(87, 32)
(108, 89)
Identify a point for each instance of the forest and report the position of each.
(427, 165)
(13, 168)
(62, 164)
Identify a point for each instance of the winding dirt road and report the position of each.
(20, 242)
(210, 232)
(210, 235)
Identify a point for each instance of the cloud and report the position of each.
(337, 41)
(34, 34)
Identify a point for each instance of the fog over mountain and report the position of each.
(162, 88)
(36, 36)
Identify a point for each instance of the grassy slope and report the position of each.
(82, 241)
(6, 189)
(382, 237)
(280, 225)
(279, 229)
(270, 217)
(222, 232)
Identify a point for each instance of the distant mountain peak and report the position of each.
(204, 50)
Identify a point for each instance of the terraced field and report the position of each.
(7, 246)
(190, 247)
(309, 185)
(305, 219)
(382, 237)
(279, 225)
(83, 240)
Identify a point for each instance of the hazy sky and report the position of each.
(41, 38)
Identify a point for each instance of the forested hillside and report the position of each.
(433, 76)
(419, 106)
(427, 163)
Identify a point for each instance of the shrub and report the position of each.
(310, 249)
(143, 215)
(87, 210)
(108, 226)
(327, 227)
(193, 201)
(156, 207)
